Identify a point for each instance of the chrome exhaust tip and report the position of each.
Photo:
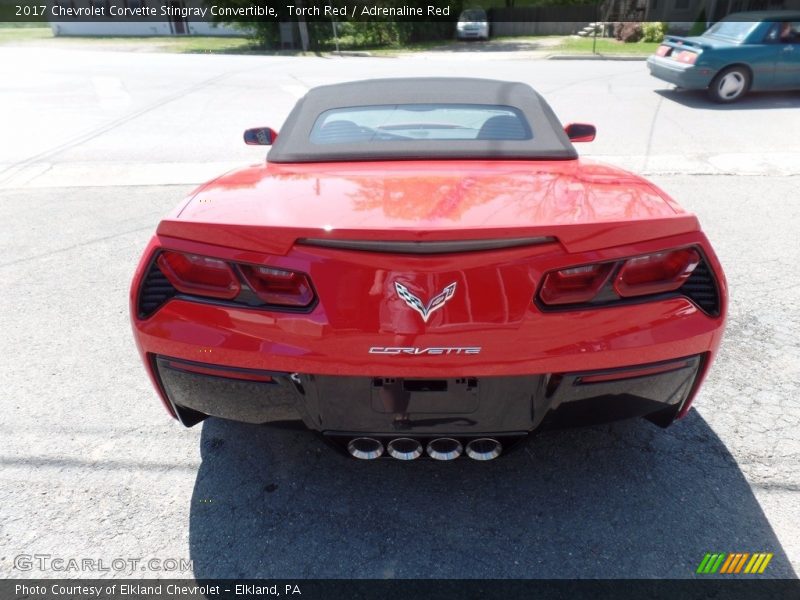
(404, 449)
(484, 449)
(365, 448)
(444, 449)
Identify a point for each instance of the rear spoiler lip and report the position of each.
(676, 41)
(574, 237)
(427, 247)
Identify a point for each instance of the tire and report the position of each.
(730, 84)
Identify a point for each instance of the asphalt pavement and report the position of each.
(97, 146)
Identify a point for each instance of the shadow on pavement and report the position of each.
(623, 500)
(755, 100)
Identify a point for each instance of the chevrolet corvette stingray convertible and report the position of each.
(424, 267)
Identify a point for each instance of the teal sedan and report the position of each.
(752, 51)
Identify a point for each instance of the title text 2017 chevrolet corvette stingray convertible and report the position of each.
(425, 267)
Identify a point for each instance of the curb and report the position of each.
(358, 53)
(594, 57)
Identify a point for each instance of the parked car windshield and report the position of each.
(732, 30)
(472, 15)
(396, 122)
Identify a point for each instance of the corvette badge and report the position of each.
(425, 311)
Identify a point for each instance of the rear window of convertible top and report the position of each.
(398, 122)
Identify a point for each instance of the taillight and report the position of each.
(607, 282)
(656, 273)
(575, 285)
(200, 275)
(276, 286)
(686, 56)
(174, 273)
(663, 50)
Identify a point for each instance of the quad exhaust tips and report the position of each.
(365, 448)
(444, 449)
(484, 449)
(404, 449)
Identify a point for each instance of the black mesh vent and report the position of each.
(156, 290)
(702, 289)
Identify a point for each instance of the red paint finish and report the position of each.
(596, 214)
(267, 208)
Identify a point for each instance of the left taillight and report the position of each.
(279, 287)
(199, 275)
(195, 275)
(644, 275)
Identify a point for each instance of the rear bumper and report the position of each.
(471, 34)
(686, 76)
(457, 407)
(323, 362)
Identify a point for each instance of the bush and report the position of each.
(699, 27)
(653, 32)
(628, 32)
(351, 34)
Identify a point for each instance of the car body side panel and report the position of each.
(787, 69)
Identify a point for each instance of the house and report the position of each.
(681, 14)
(135, 18)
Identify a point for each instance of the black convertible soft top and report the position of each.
(548, 141)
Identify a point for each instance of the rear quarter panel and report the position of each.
(759, 58)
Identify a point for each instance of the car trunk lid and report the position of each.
(270, 208)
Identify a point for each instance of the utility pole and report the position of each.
(302, 27)
(335, 37)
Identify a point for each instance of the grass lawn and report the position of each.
(183, 44)
(38, 35)
(573, 45)
(24, 34)
(395, 50)
(178, 44)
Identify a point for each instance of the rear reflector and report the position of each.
(575, 285)
(656, 273)
(279, 287)
(631, 373)
(200, 275)
(216, 371)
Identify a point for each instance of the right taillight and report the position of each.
(607, 282)
(656, 273)
(685, 56)
(575, 285)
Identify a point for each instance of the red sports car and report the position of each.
(426, 267)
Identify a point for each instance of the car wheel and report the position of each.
(730, 84)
